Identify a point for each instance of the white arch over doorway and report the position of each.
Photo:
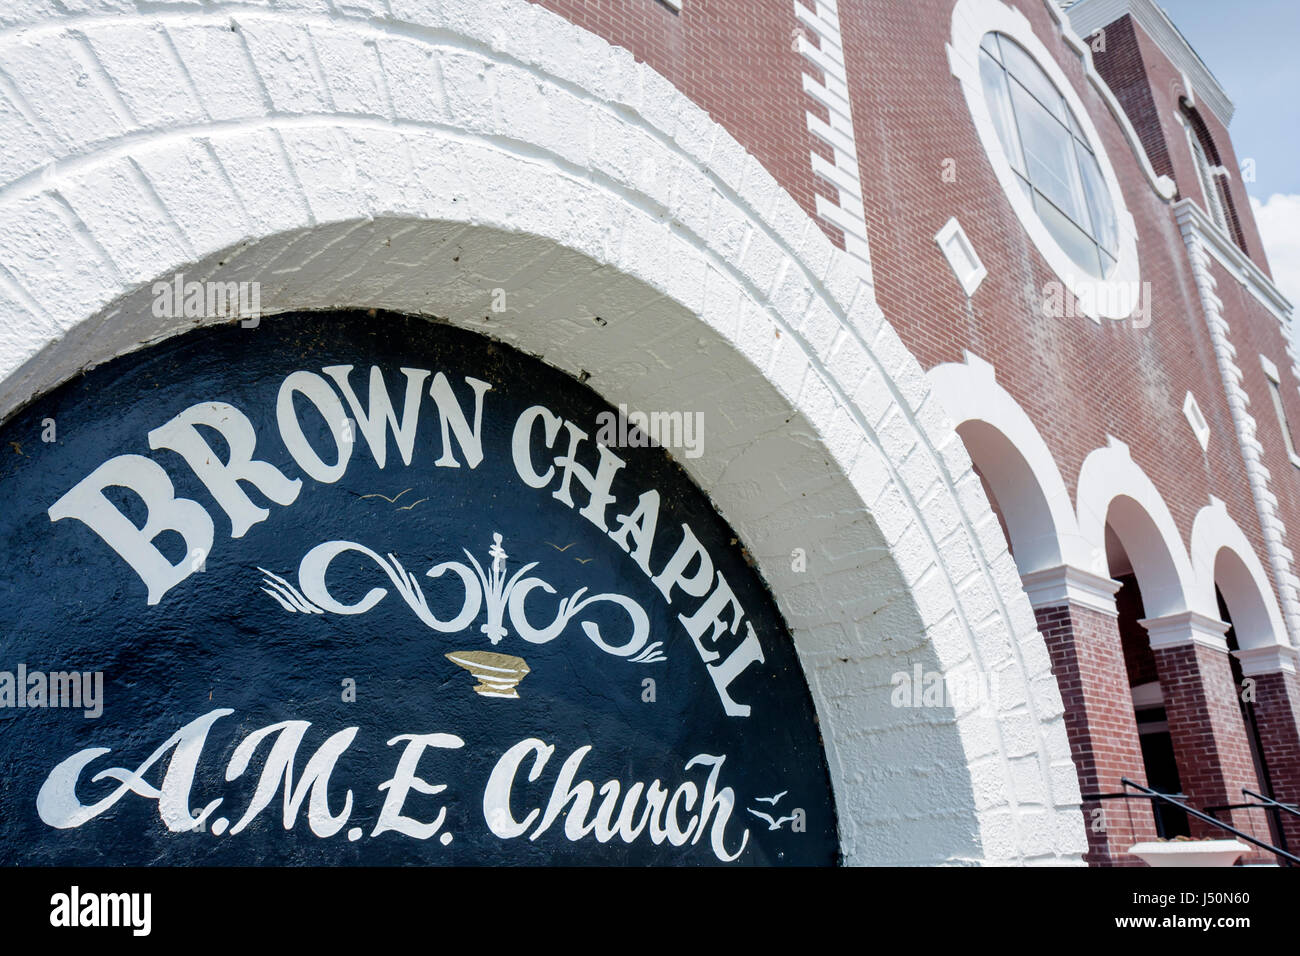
(1045, 529)
(1031, 492)
(1222, 556)
(1114, 490)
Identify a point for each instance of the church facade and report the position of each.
(653, 432)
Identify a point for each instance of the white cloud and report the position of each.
(1279, 227)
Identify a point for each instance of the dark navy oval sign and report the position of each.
(360, 588)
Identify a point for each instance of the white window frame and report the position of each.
(1208, 177)
(1275, 393)
(1114, 297)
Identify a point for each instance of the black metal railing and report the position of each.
(1274, 808)
(1176, 800)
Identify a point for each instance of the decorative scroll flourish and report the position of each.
(504, 598)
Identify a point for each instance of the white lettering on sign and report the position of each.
(222, 478)
(643, 809)
(380, 416)
(404, 781)
(579, 473)
(615, 810)
(317, 391)
(641, 525)
(278, 769)
(164, 512)
(58, 805)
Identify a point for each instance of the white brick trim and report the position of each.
(1201, 248)
(970, 392)
(848, 214)
(1192, 218)
(1163, 186)
(580, 180)
(1186, 628)
(961, 255)
(1196, 419)
(1062, 555)
(1275, 659)
(1110, 479)
(1051, 587)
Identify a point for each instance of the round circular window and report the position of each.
(1054, 166)
(1047, 156)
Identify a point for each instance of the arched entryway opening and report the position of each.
(313, 535)
(762, 462)
(1016, 495)
(1064, 575)
(1159, 768)
(1251, 627)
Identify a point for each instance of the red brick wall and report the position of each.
(1088, 663)
(1209, 733)
(1255, 332)
(1277, 714)
(1152, 87)
(1120, 63)
(735, 59)
(1079, 381)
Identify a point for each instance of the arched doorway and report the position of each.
(1250, 625)
(1159, 762)
(457, 608)
(1016, 495)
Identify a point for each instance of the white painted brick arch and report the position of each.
(415, 160)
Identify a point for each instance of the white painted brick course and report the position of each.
(349, 65)
(49, 261)
(194, 191)
(55, 84)
(256, 167)
(21, 147)
(216, 61)
(762, 261)
(146, 75)
(118, 208)
(285, 60)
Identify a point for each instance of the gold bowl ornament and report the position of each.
(497, 674)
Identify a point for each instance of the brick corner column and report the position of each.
(1205, 721)
(1077, 618)
(1277, 718)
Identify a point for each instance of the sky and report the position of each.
(1251, 48)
